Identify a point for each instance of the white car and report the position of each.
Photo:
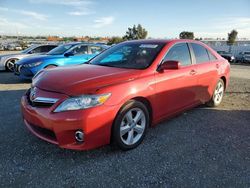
(7, 61)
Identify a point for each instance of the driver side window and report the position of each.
(179, 52)
(79, 50)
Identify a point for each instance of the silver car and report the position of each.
(7, 61)
(243, 57)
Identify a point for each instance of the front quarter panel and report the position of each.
(143, 86)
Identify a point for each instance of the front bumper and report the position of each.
(246, 60)
(59, 128)
(23, 72)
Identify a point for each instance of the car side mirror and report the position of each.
(67, 54)
(169, 65)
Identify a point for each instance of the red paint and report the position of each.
(169, 92)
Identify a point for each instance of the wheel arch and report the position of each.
(225, 81)
(147, 103)
(8, 59)
(50, 64)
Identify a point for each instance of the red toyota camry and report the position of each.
(117, 95)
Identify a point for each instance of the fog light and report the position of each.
(79, 136)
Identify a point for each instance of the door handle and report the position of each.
(193, 72)
(217, 66)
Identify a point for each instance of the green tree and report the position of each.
(232, 37)
(115, 40)
(186, 35)
(136, 32)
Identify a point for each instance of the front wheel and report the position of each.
(10, 64)
(130, 125)
(217, 95)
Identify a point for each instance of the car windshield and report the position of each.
(28, 49)
(60, 49)
(129, 55)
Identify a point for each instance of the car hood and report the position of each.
(37, 58)
(82, 79)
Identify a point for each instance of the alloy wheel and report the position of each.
(132, 126)
(218, 93)
(10, 64)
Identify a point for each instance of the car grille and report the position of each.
(38, 103)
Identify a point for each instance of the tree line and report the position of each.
(138, 32)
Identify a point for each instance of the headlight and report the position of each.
(82, 102)
(32, 64)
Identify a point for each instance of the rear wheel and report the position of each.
(10, 64)
(217, 95)
(130, 125)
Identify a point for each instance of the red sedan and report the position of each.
(117, 95)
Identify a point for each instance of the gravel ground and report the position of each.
(203, 147)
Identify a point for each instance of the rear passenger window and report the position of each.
(200, 53)
(179, 52)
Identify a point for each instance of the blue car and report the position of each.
(66, 54)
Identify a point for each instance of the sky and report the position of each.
(161, 18)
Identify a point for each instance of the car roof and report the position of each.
(79, 43)
(36, 45)
(163, 41)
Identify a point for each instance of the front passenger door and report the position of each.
(80, 55)
(176, 89)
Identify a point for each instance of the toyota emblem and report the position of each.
(33, 94)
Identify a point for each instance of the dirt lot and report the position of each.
(203, 147)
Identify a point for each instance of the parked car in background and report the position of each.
(227, 55)
(123, 91)
(66, 54)
(18, 48)
(243, 57)
(7, 61)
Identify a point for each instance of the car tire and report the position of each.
(130, 125)
(217, 94)
(10, 64)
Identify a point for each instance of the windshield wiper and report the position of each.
(106, 65)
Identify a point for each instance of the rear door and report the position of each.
(207, 70)
(176, 89)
